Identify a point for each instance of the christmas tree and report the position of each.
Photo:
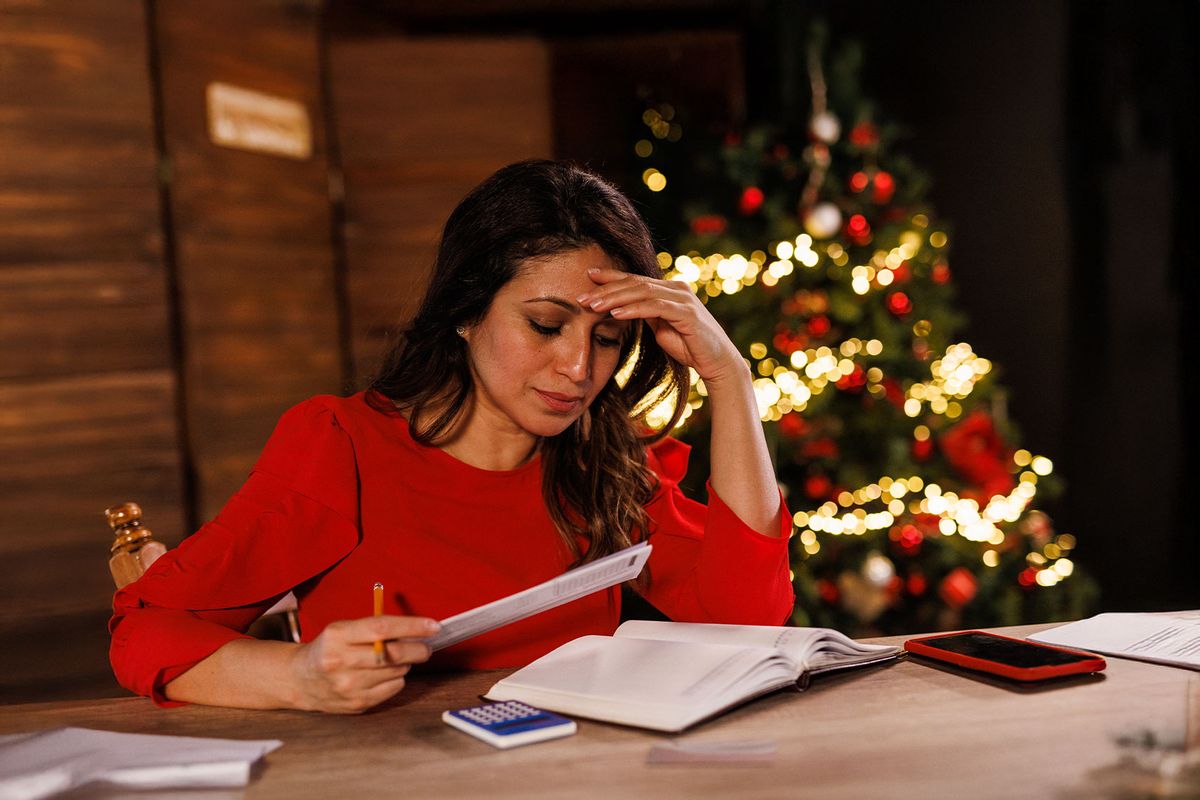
(817, 250)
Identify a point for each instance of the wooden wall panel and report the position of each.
(420, 121)
(87, 385)
(253, 233)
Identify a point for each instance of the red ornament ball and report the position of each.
(893, 392)
(1028, 577)
(823, 447)
(958, 587)
(827, 590)
(750, 201)
(819, 325)
(941, 272)
(793, 425)
(859, 181)
(885, 187)
(908, 539)
(922, 449)
(817, 486)
(864, 134)
(859, 230)
(709, 225)
(787, 342)
(855, 381)
(899, 303)
(916, 584)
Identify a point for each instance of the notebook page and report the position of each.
(800, 644)
(641, 681)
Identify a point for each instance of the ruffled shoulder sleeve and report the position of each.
(295, 517)
(668, 457)
(707, 564)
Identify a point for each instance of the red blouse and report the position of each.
(343, 497)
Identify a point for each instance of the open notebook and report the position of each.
(669, 675)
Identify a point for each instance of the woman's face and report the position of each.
(539, 358)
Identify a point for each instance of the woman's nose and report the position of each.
(575, 361)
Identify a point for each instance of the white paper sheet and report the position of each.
(600, 574)
(1159, 638)
(45, 763)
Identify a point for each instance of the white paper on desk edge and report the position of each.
(1165, 638)
(45, 763)
(617, 568)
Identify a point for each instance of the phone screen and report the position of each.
(1004, 651)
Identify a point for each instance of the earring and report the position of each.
(585, 425)
(460, 330)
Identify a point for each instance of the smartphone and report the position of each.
(1015, 659)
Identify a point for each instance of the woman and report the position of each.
(503, 442)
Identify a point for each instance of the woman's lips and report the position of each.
(562, 403)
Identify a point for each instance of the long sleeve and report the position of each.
(296, 516)
(707, 564)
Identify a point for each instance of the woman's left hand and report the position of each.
(682, 325)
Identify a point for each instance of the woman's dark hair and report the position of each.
(595, 484)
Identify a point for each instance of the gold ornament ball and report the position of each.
(823, 221)
(825, 126)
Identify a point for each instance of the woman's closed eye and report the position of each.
(554, 330)
(545, 330)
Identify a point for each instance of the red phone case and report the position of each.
(1089, 662)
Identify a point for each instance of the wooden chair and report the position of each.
(134, 549)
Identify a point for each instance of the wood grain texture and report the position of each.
(420, 121)
(87, 385)
(907, 730)
(254, 256)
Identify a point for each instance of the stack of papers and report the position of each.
(1159, 638)
(45, 763)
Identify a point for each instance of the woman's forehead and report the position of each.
(565, 271)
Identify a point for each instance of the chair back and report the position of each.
(134, 549)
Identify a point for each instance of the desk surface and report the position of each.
(907, 730)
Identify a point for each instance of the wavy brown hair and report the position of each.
(595, 486)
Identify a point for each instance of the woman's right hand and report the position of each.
(339, 672)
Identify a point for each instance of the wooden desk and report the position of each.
(908, 730)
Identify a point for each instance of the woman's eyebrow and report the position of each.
(558, 301)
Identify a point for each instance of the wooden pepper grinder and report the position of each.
(134, 549)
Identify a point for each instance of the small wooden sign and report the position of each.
(248, 120)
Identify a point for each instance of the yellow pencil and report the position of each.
(379, 652)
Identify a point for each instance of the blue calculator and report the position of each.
(509, 724)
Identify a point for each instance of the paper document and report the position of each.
(1160, 638)
(600, 574)
(46, 763)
